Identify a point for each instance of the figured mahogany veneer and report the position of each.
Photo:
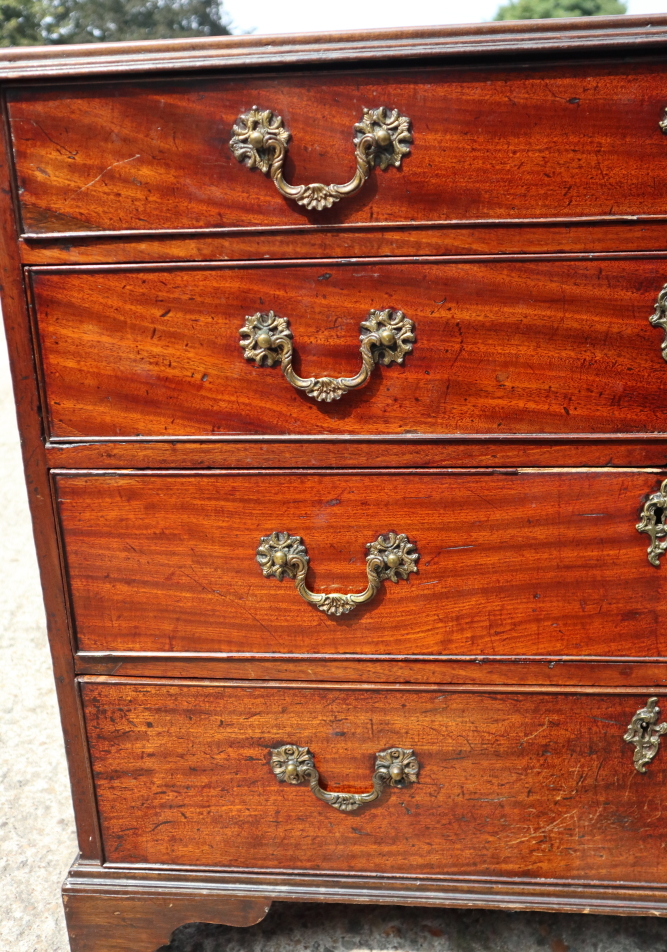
(510, 564)
(501, 347)
(525, 236)
(540, 786)
(552, 141)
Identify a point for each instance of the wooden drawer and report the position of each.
(509, 785)
(567, 140)
(511, 564)
(504, 347)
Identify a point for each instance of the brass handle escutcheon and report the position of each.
(390, 557)
(653, 523)
(645, 733)
(382, 137)
(386, 337)
(396, 767)
(659, 318)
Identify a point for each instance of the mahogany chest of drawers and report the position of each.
(348, 498)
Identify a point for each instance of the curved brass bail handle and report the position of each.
(396, 767)
(386, 337)
(382, 137)
(390, 557)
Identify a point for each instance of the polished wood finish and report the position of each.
(156, 155)
(112, 922)
(510, 564)
(538, 785)
(532, 204)
(492, 450)
(533, 39)
(550, 673)
(29, 414)
(117, 880)
(501, 347)
(640, 235)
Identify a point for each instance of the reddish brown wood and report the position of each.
(116, 879)
(117, 922)
(514, 665)
(301, 241)
(28, 410)
(553, 141)
(538, 785)
(470, 674)
(531, 39)
(502, 347)
(511, 564)
(494, 452)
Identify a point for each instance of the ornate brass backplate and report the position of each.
(390, 558)
(382, 137)
(659, 317)
(396, 767)
(653, 523)
(386, 337)
(645, 733)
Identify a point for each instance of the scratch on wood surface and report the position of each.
(103, 172)
(530, 736)
(542, 831)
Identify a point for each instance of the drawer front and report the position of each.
(496, 348)
(509, 785)
(560, 141)
(538, 564)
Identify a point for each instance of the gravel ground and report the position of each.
(37, 839)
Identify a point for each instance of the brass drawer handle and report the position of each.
(382, 137)
(386, 337)
(645, 733)
(390, 557)
(653, 523)
(396, 767)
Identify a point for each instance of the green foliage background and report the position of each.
(30, 22)
(545, 9)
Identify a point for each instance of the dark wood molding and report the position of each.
(635, 34)
(112, 881)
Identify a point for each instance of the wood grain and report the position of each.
(527, 786)
(144, 922)
(462, 673)
(301, 241)
(534, 564)
(517, 346)
(558, 140)
(493, 452)
(117, 880)
(39, 497)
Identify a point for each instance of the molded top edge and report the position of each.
(579, 34)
